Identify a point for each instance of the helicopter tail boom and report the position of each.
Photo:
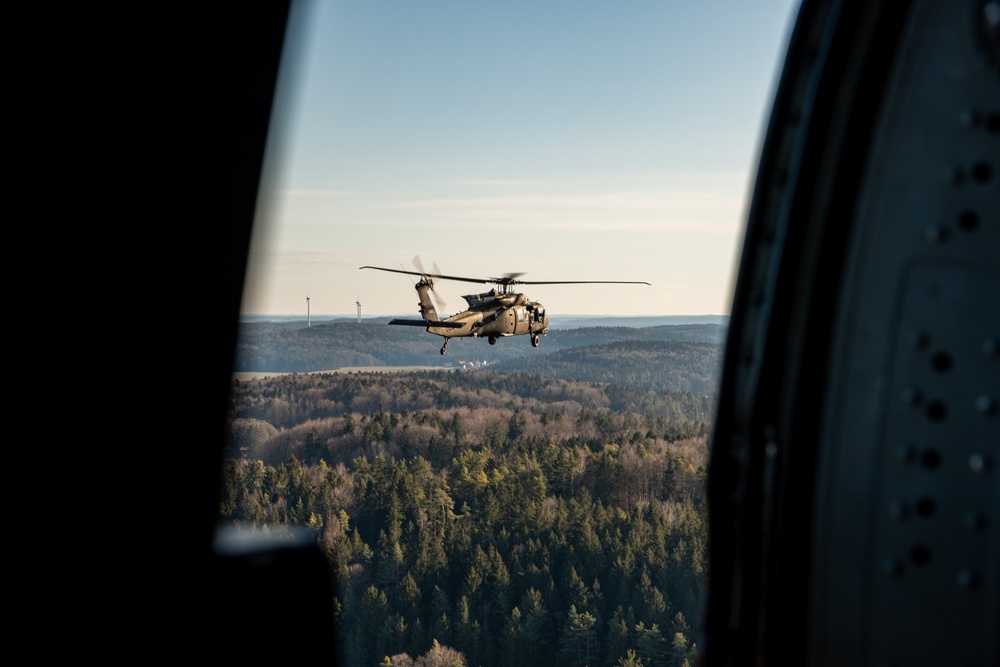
(429, 323)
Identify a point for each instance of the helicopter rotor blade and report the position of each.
(433, 275)
(511, 279)
(437, 299)
(581, 282)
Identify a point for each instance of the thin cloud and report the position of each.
(638, 211)
(314, 192)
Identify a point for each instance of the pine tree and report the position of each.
(577, 638)
(679, 649)
(392, 636)
(630, 659)
(651, 645)
(512, 639)
(535, 623)
(618, 634)
(391, 561)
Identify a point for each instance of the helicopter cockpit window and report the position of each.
(477, 299)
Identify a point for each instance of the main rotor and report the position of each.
(506, 283)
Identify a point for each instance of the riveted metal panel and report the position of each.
(906, 554)
(931, 557)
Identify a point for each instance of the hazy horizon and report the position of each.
(554, 319)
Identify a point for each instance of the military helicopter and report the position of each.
(491, 315)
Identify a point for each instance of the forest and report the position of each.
(487, 518)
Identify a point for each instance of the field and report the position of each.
(348, 369)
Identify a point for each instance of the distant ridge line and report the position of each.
(556, 321)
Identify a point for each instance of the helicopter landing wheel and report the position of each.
(445, 346)
(493, 340)
(535, 340)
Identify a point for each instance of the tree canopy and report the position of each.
(485, 519)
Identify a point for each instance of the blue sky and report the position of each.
(566, 140)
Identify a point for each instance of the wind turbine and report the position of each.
(358, 302)
(308, 320)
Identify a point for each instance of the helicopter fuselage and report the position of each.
(494, 314)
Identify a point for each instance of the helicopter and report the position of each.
(491, 315)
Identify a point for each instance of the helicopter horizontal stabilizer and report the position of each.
(428, 323)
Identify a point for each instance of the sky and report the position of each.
(565, 140)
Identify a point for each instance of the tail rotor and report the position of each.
(438, 301)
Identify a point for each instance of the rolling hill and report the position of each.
(681, 358)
